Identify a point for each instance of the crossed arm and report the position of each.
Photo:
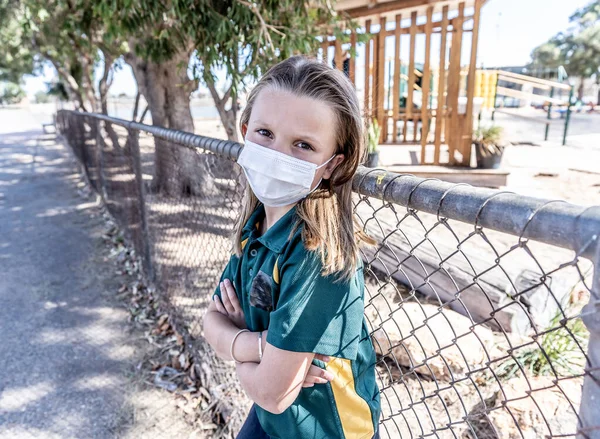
(274, 382)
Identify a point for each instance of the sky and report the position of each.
(509, 31)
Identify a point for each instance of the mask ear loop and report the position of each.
(321, 179)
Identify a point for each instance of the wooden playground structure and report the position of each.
(429, 102)
(417, 74)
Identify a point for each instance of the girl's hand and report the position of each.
(230, 305)
(231, 308)
(316, 375)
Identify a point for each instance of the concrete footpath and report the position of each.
(67, 355)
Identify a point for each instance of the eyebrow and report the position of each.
(307, 137)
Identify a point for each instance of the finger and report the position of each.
(233, 296)
(225, 298)
(308, 384)
(324, 358)
(314, 380)
(318, 375)
(219, 305)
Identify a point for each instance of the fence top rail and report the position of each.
(554, 222)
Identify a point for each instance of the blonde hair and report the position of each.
(329, 223)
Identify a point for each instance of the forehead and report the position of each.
(291, 115)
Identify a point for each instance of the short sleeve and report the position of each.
(313, 313)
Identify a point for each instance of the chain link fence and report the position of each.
(483, 305)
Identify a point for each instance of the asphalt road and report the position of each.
(64, 354)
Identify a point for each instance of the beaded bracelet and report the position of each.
(232, 341)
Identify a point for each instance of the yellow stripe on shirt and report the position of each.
(354, 411)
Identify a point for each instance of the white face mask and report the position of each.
(277, 179)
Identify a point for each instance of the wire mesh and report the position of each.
(474, 297)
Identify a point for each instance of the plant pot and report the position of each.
(489, 161)
(372, 160)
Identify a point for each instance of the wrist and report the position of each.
(235, 339)
(245, 348)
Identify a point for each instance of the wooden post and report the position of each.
(367, 71)
(397, 64)
(439, 113)
(352, 69)
(425, 84)
(325, 47)
(466, 140)
(454, 84)
(381, 116)
(411, 71)
(338, 55)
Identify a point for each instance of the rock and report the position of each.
(549, 411)
(439, 344)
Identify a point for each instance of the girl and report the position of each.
(289, 309)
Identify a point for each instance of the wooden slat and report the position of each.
(454, 85)
(381, 80)
(536, 80)
(415, 119)
(439, 115)
(436, 28)
(338, 55)
(425, 84)
(467, 136)
(325, 47)
(518, 94)
(397, 64)
(367, 110)
(382, 8)
(523, 82)
(374, 79)
(411, 66)
(352, 70)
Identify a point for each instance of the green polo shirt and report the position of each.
(280, 288)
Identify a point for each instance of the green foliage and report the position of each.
(578, 49)
(11, 93)
(373, 136)
(16, 58)
(243, 37)
(547, 55)
(560, 350)
(488, 140)
(42, 97)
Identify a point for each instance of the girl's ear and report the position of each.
(244, 129)
(330, 167)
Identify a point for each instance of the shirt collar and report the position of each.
(277, 235)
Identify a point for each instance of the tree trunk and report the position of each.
(103, 87)
(166, 87)
(580, 90)
(105, 82)
(228, 117)
(71, 85)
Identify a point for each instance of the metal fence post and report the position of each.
(134, 148)
(100, 160)
(549, 113)
(589, 412)
(568, 116)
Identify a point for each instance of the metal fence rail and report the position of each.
(483, 304)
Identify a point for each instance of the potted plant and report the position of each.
(489, 146)
(373, 135)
